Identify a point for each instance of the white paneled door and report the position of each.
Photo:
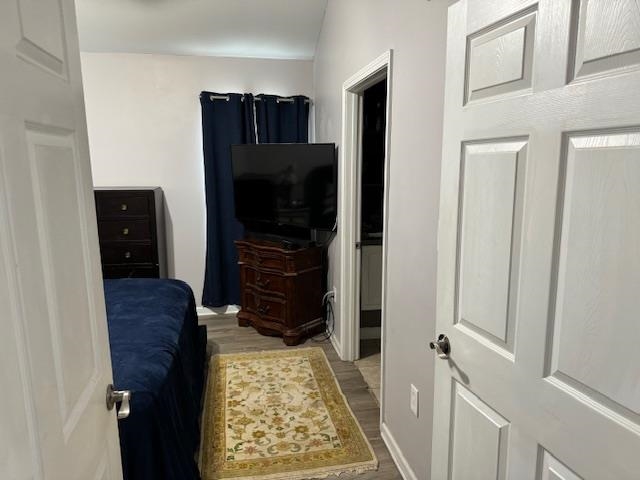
(54, 352)
(539, 243)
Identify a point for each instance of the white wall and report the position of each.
(354, 33)
(143, 116)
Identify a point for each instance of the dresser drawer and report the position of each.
(263, 260)
(261, 255)
(131, 271)
(129, 229)
(266, 281)
(126, 253)
(267, 307)
(121, 205)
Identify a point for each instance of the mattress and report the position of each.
(158, 353)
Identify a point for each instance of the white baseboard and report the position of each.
(229, 311)
(396, 454)
(368, 333)
(336, 345)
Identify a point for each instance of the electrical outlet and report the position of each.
(335, 294)
(413, 403)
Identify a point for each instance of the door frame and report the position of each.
(349, 205)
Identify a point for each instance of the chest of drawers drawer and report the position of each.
(114, 253)
(124, 230)
(130, 271)
(264, 261)
(273, 283)
(265, 306)
(124, 204)
(269, 258)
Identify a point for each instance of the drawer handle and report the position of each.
(125, 231)
(124, 207)
(264, 309)
(127, 254)
(260, 283)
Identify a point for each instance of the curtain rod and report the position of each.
(257, 99)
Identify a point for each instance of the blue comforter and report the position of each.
(157, 352)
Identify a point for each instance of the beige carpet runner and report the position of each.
(279, 415)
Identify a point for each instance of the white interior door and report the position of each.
(54, 352)
(539, 242)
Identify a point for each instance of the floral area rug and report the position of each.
(279, 415)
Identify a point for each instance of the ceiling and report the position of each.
(229, 28)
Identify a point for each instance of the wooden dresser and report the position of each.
(281, 290)
(131, 232)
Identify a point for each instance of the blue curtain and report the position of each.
(282, 120)
(225, 121)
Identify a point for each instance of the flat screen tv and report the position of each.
(285, 185)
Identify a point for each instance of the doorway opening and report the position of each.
(371, 179)
(363, 219)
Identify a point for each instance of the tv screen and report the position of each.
(285, 184)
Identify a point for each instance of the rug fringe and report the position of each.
(317, 474)
(342, 471)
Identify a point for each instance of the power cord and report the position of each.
(327, 304)
(328, 240)
(330, 294)
(328, 297)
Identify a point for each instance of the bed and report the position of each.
(158, 353)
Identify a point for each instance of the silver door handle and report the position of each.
(441, 346)
(122, 397)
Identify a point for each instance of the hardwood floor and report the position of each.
(370, 365)
(226, 337)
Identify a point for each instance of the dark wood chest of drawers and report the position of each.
(131, 232)
(281, 290)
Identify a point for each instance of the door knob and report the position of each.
(441, 346)
(119, 396)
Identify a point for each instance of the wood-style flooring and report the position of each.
(370, 365)
(226, 337)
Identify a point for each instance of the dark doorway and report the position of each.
(374, 113)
